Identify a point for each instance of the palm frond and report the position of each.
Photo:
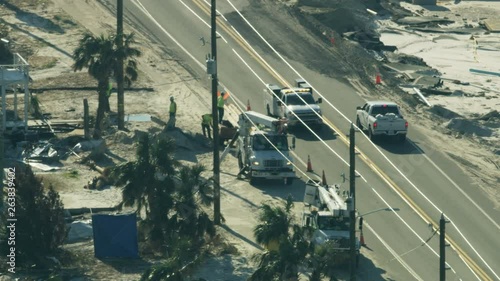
(164, 151)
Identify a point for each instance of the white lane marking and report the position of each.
(146, 12)
(385, 157)
(201, 65)
(141, 7)
(258, 77)
(457, 186)
(393, 252)
(203, 21)
(322, 141)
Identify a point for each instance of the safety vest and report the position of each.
(173, 107)
(108, 92)
(206, 119)
(220, 101)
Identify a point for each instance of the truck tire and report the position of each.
(252, 179)
(358, 124)
(370, 134)
(268, 110)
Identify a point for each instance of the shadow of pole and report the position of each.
(243, 238)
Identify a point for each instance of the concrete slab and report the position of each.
(493, 25)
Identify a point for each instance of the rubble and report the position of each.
(468, 127)
(42, 151)
(79, 231)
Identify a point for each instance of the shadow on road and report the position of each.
(367, 270)
(324, 132)
(278, 189)
(396, 147)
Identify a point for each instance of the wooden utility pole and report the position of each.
(213, 71)
(119, 70)
(86, 131)
(442, 249)
(352, 191)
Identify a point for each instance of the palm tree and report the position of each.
(148, 183)
(275, 223)
(171, 200)
(282, 262)
(102, 56)
(193, 221)
(322, 260)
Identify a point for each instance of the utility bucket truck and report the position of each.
(298, 100)
(263, 151)
(328, 216)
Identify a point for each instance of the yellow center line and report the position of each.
(475, 267)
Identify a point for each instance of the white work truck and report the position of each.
(328, 216)
(298, 100)
(381, 118)
(263, 150)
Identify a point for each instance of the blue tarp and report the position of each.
(115, 236)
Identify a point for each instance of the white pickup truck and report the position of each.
(379, 118)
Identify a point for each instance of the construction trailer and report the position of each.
(327, 213)
(263, 150)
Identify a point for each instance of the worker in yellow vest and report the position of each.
(220, 106)
(172, 111)
(206, 123)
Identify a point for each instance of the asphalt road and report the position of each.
(413, 177)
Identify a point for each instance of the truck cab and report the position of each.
(327, 227)
(328, 216)
(263, 148)
(293, 103)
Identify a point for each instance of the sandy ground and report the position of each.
(453, 55)
(51, 29)
(168, 78)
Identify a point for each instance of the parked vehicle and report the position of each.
(298, 100)
(379, 118)
(263, 150)
(328, 215)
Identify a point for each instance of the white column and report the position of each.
(26, 103)
(4, 109)
(15, 105)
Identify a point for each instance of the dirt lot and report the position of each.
(44, 32)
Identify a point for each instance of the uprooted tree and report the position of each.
(40, 228)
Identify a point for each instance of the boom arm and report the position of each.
(274, 124)
(335, 204)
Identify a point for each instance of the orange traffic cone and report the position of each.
(323, 179)
(362, 239)
(378, 80)
(248, 105)
(309, 165)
